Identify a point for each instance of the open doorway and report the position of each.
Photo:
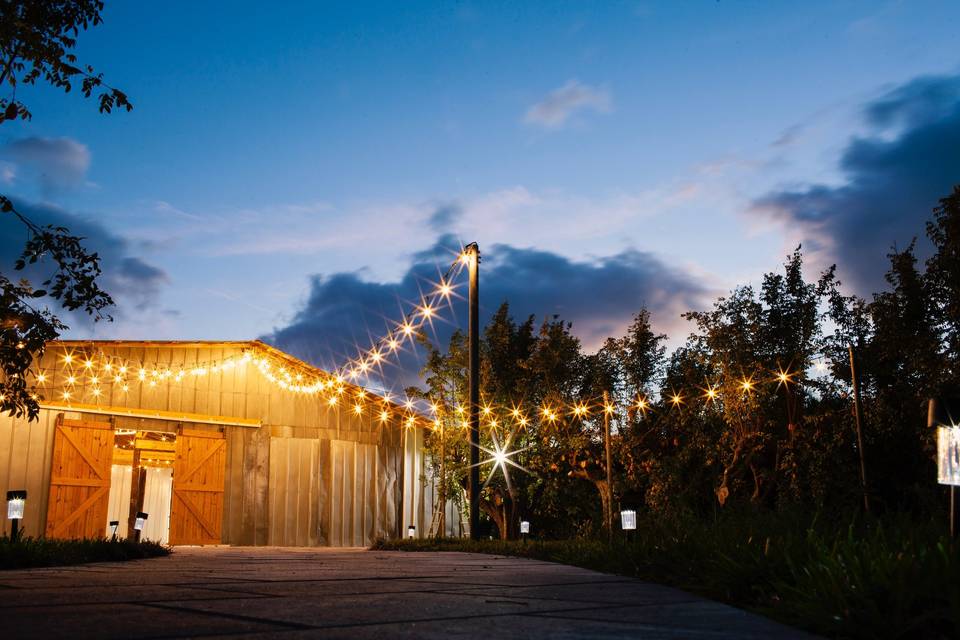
(141, 480)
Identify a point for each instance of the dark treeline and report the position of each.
(762, 444)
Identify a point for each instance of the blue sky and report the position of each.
(277, 151)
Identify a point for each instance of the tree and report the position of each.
(943, 276)
(36, 39)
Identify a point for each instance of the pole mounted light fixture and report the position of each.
(472, 252)
(114, 525)
(16, 500)
(628, 519)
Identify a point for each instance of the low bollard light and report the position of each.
(139, 523)
(16, 500)
(114, 525)
(411, 531)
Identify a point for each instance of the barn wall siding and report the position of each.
(26, 457)
(280, 486)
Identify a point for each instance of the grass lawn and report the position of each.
(44, 552)
(867, 581)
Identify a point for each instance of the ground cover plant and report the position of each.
(48, 552)
(857, 579)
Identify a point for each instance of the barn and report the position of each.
(218, 443)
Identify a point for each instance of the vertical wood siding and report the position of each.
(297, 436)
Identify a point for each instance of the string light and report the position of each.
(642, 404)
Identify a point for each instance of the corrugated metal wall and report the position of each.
(294, 495)
(421, 491)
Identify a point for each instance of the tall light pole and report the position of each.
(607, 410)
(472, 251)
(858, 408)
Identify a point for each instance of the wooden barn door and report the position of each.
(196, 513)
(79, 479)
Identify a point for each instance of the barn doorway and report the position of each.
(102, 474)
(176, 478)
(141, 480)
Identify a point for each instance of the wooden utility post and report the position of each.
(858, 408)
(606, 443)
(138, 486)
(473, 340)
(442, 528)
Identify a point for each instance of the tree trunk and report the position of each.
(601, 485)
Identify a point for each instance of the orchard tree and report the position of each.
(36, 42)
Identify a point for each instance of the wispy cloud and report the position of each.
(561, 104)
(134, 284)
(56, 162)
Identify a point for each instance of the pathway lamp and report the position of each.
(138, 524)
(114, 525)
(943, 414)
(524, 530)
(411, 531)
(628, 521)
(15, 503)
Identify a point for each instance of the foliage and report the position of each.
(843, 578)
(36, 39)
(48, 552)
(754, 409)
(35, 43)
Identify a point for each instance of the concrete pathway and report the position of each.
(353, 593)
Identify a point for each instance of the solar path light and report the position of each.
(139, 524)
(15, 503)
(628, 521)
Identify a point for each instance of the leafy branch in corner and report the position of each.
(36, 39)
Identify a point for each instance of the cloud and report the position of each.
(343, 312)
(57, 162)
(445, 216)
(561, 104)
(133, 283)
(892, 178)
